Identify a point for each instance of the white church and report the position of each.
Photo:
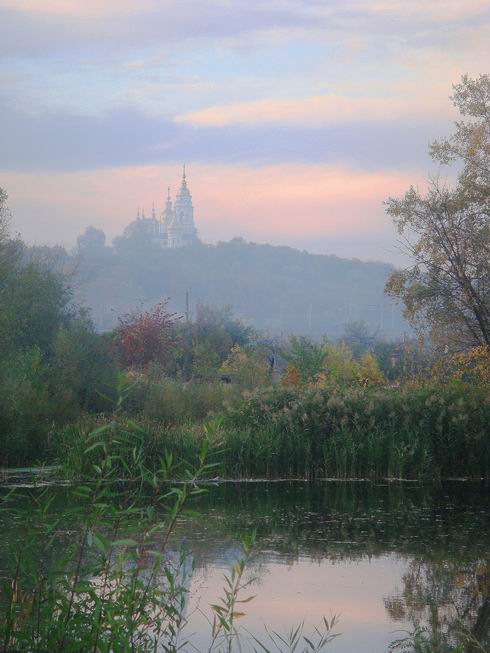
(175, 227)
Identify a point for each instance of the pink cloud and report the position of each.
(298, 199)
(322, 109)
(309, 591)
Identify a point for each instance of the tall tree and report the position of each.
(34, 301)
(92, 239)
(446, 232)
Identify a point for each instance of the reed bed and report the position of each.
(415, 432)
(411, 432)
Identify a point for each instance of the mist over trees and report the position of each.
(275, 289)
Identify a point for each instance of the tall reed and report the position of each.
(410, 432)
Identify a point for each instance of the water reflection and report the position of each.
(448, 597)
(382, 556)
(385, 557)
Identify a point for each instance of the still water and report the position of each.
(383, 557)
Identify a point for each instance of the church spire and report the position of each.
(167, 215)
(153, 213)
(184, 178)
(168, 205)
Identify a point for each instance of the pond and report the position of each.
(384, 557)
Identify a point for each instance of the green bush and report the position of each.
(25, 413)
(82, 369)
(174, 402)
(40, 392)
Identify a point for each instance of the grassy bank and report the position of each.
(412, 432)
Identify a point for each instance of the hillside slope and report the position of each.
(277, 289)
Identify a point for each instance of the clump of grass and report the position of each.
(174, 402)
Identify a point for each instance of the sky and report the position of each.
(296, 118)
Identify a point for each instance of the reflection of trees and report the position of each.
(343, 521)
(334, 521)
(338, 521)
(448, 598)
(442, 531)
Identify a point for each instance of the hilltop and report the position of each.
(277, 289)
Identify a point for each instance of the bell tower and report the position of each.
(184, 212)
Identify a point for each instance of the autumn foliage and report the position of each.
(291, 377)
(472, 366)
(147, 337)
